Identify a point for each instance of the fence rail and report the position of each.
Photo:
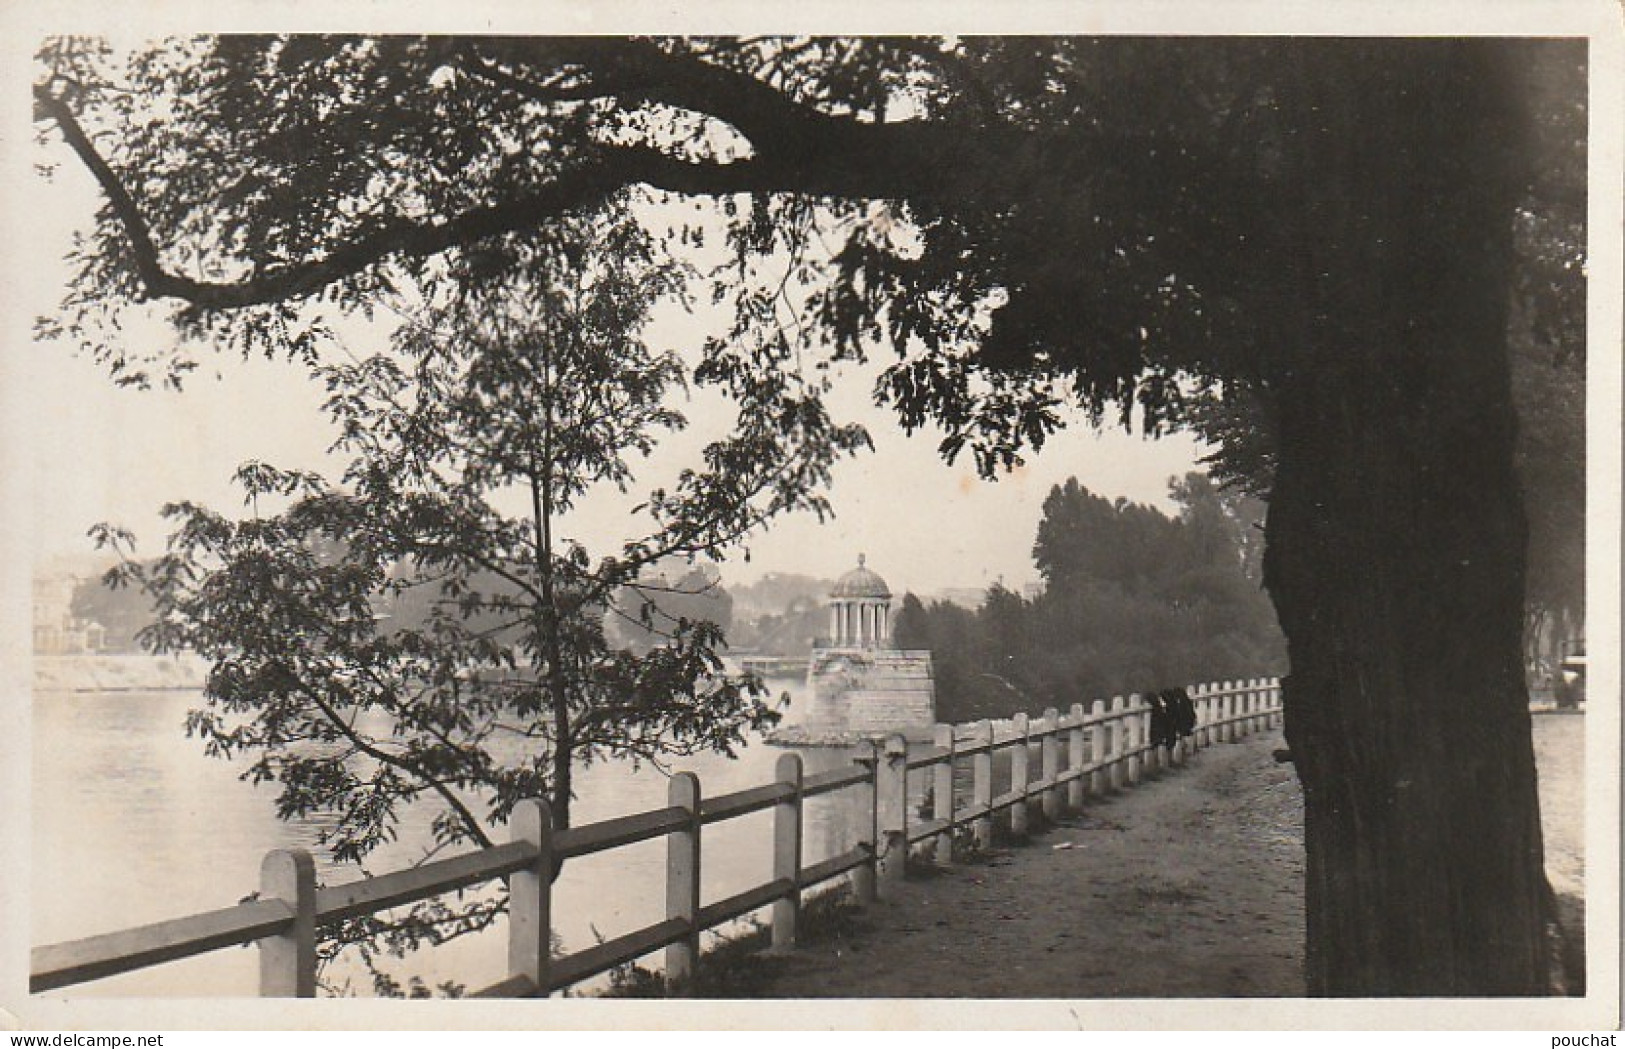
(1081, 753)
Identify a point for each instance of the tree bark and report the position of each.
(1396, 537)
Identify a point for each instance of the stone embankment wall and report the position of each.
(857, 694)
(118, 672)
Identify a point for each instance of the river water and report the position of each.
(133, 824)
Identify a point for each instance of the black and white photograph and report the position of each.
(840, 518)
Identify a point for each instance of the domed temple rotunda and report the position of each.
(860, 610)
(859, 686)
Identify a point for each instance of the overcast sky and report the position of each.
(95, 452)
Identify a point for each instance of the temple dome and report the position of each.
(861, 583)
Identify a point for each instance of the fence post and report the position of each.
(1198, 704)
(787, 852)
(1075, 759)
(1275, 701)
(288, 961)
(1194, 744)
(942, 792)
(1101, 778)
(1182, 743)
(1150, 757)
(1114, 744)
(1168, 756)
(891, 790)
(1020, 776)
(1049, 751)
(1132, 738)
(864, 876)
(981, 764)
(683, 877)
(1123, 742)
(530, 895)
(1176, 748)
(1227, 706)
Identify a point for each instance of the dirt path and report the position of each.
(1187, 885)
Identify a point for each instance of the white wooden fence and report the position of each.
(1081, 753)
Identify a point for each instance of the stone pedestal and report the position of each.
(863, 693)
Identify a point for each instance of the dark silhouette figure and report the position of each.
(1181, 709)
(1163, 732)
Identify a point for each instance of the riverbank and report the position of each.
(118, 672)
(116, 782)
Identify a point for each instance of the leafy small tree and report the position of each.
(469, 443)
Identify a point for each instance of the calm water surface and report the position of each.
(133, 824)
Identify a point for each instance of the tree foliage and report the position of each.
(121, 613)
(979, 182)
(647, 611)
(1008, 174)
(1133, 600)
(1546, 344)
(422, 632)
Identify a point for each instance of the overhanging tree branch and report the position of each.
(796, 149)
(570, 190)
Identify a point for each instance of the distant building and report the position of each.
(57, 631)
(860, 685)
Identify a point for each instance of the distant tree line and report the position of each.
(638, 619)
(642, 617)
(780, 614)
(121, 613)
(1133, 599)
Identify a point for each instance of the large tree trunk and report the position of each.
(1396, 534)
